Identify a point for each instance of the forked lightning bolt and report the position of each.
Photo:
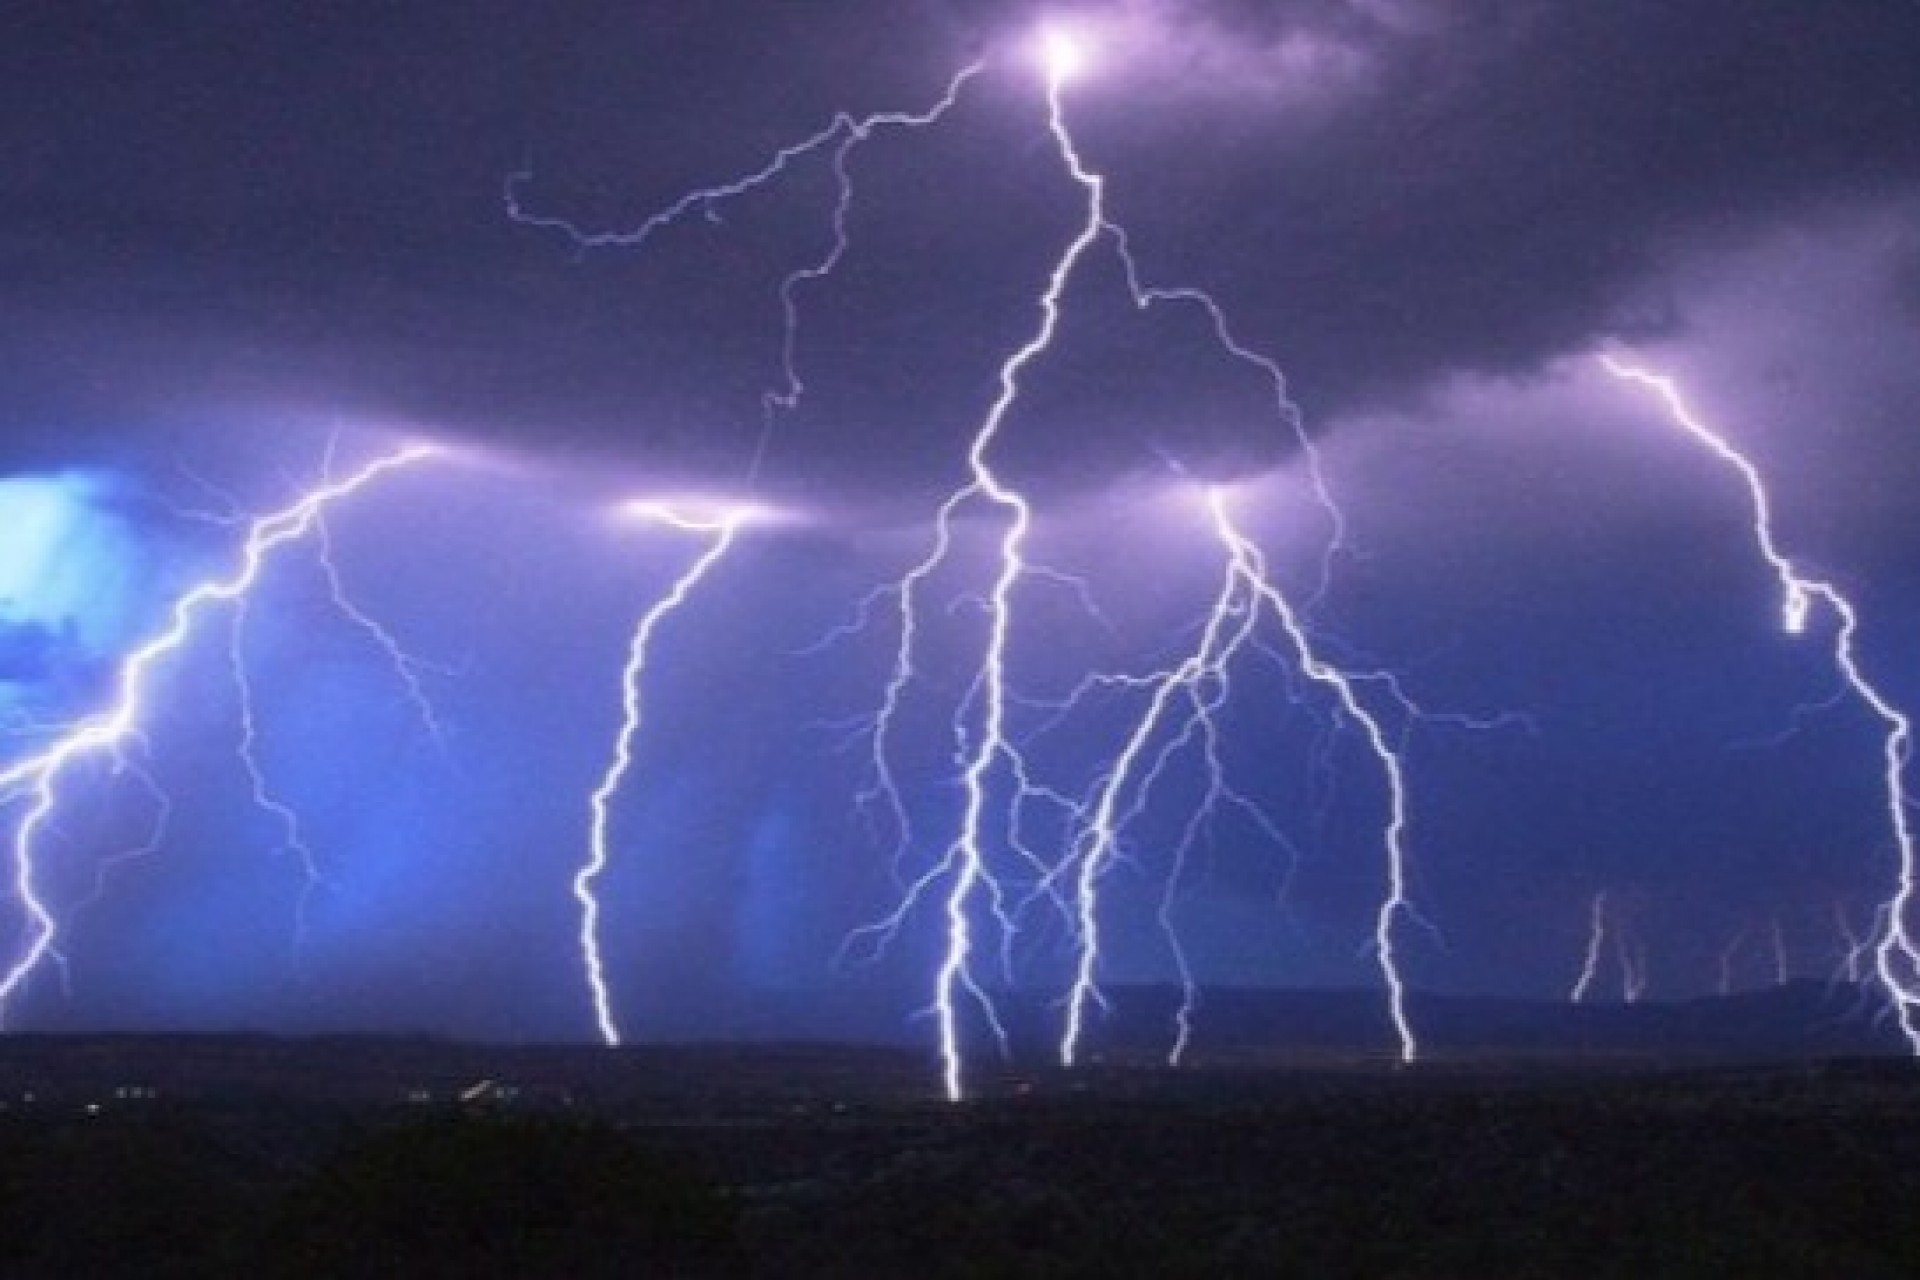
(718, 526)
(1596, 942)
(1897, 949)
(1183, 703)
(839, 138)
(1605, 921)
(995, 782)
(991, 763)
(1855, 948)
(293, 839)
(35, 781)
(1201, 680)
(988, 746)
(1396, 903)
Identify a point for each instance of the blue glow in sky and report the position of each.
(69, 569)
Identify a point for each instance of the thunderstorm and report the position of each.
(1176, 531)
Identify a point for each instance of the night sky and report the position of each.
(236, 244)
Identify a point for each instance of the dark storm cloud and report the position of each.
(229, 217)
(1502, 181)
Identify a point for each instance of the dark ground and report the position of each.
(776, 1161)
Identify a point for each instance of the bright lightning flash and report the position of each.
(1897, 951)
(1062, 55)
(1200, 683)
(1396, 904)
(718, 523)
(1604, 921)
(1180, 706)
(995, 782)
(36, 779)
(989, 757)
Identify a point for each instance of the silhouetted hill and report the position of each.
(376, 1070)
(1240, 1028)
(1796, 1022)
(1719, 1137)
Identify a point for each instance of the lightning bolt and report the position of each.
(838, 139)
(1604, 923)
(990, 763)
(718, 526)
(1396, 904)
(406, 668)
(293, 838)
(1854, 946)
(995, 783)
(35, 780)
(1897, 950)
(1633, 967)
(1183, 702)
(987, 749)
(1596, 940)
(1201, 681)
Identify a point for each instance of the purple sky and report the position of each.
(227, 238)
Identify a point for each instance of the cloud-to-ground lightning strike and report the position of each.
(988, 753)
(1897, 949)
(987, 750)
(1396, 903)
(1596, 941)
(1245, 588)
(993, 775)
(1183, 703)
(293, 839)
(35, 780)
(1634, 968)
(989, 759)
(838, 139)
(1606, 921)
(718, 525)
